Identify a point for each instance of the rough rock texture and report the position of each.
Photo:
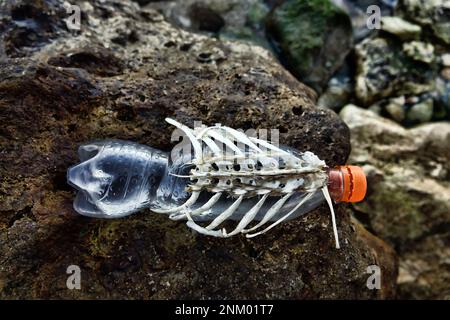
(235, 19)
(339, 90)
(384, 69)
(402, 61)
(119, 77)
(401, 28)
(433, 14)
(408, 201)
(388, 68)
(314, 38)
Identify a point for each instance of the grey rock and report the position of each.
(396, 109)
(434, 14)
(419, 51)
(385, 70)
(408, 200)
(401, 28)
(445, 60)
(421, 112)
(358, 12)
(442, 101)
(337, 93)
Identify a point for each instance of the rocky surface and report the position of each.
(410, 71)
(408, 201)
(314, 38)
(384, 69)
(231, 19)
(434, 15)
(399, 60)
(340, 89)
(399, 69)
(401, 28)
(119, 77)
(360, 10)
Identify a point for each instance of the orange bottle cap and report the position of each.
(355, 184)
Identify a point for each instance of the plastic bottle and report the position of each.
(222, 174)
(117, 178)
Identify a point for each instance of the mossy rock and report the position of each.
(314, 38)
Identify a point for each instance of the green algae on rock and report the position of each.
(314, 38)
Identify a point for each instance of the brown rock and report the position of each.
(93, 86)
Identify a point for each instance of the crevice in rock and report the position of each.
(364, 219)
(25, 212)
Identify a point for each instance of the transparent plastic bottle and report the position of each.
(117, 178)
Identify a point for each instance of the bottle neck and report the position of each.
(336, 184)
